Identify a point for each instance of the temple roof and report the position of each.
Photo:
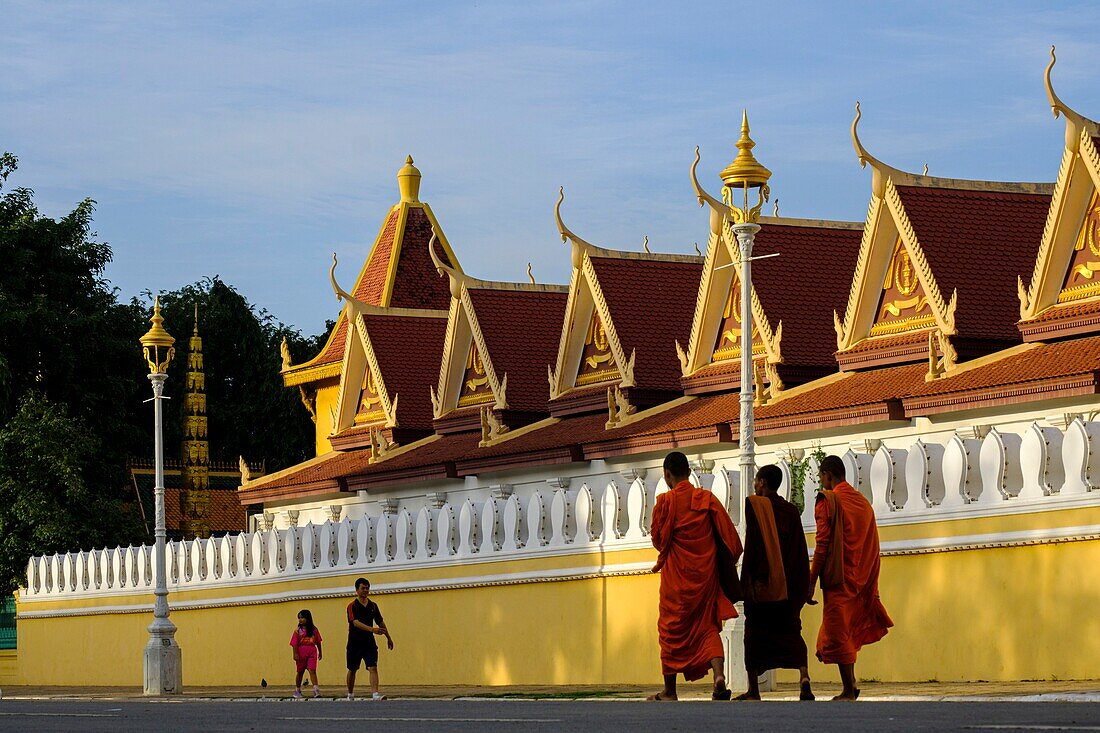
(398, 272)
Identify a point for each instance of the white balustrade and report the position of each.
(1037, 465)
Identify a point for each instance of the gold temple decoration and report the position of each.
(195, 496)
(408, 181)
(492, 428)
(645, 245)
(530, 273)
(1083, 276)
(618, 407)
(904, 306)
(157, 343)
(743, 174)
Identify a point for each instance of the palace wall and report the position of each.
(990, 540)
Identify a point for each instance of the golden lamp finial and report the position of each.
(408, 181)
(196, 331)
(157, 343)
(743, 173)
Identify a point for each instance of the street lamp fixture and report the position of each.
(162, 662)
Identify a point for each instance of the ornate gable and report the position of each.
(715, 341)
(590, 351)
(1063, 296)
(896, 311)
(513, 319)
(396, 273)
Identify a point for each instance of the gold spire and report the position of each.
(745, 170)
(157, 343)
(196, 331)
(408, 181)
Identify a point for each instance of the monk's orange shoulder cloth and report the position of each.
(765, 580)
(832, 574)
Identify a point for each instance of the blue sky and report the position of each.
(250, 140)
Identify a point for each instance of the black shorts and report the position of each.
(368, 655)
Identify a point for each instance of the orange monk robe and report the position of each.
(853, 615)
(687, 525)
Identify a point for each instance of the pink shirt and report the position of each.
(305, 644)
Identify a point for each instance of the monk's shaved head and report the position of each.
(676, 464)
(833, 466)
(771, 475)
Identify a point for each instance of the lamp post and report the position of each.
(162, 663)
(739, 177)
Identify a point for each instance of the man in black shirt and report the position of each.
(364, 621)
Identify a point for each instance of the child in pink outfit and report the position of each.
(306, 643)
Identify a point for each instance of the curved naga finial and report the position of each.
(645, 244)
(697, 250)
(702, 195)
(1075, 122)
(352, 302)
(530, 273)
(880, 171)
(445, 269)
(579, 245)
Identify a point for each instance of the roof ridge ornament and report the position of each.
(880, 171)
(457, 278)
(580, 246)
(356, 305)
(645, 244)
(1075, 122)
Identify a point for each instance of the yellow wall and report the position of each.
(992, 614)
(327, 392)
(8, 668)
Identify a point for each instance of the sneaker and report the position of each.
(316, 692)
(297, 694)
(351, 696)
(378, 696)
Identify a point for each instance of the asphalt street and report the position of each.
(440, 716)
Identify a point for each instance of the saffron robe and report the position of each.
(688, 526)
(853, 615)
(775, 574)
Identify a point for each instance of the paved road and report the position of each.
(442, 716)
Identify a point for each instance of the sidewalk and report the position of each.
(1035, 691)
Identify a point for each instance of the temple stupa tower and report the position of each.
(195, 460)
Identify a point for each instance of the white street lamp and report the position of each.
(745, 173)
(162, 663)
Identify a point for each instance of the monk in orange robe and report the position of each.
(846, 559)
(698, 548)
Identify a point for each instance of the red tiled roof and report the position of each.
(226, 514)
(979, 242)
(1068, 310)
(857, 388)
(802, 287)
(522, 330)
(409, 349)
(652, 303)
(372, 284)
(417, 284)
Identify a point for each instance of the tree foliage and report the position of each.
(47, 504)
(73, 384)
(250, 413)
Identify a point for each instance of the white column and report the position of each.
(746, 234)
(162, 664)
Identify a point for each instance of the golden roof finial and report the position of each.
(775, 209)
(196, 331)
(579, 246)
(408, 181)
(697, 250)
(530, 273)
(645, 244)
(925, 171)
(880, 172)
(157, 343)
(1075, 122)
(745, 170)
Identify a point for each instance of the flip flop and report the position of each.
(721, 694)
(805, 692)
(744, 697)
(656, 697)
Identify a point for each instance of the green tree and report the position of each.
(47, 504)
(249, 411)
(63, 332)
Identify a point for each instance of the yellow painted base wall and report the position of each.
(993, 614)
(9, 668)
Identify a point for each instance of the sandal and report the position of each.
(746, 697)
(805, 692)
(721, 694)
(657, 697)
